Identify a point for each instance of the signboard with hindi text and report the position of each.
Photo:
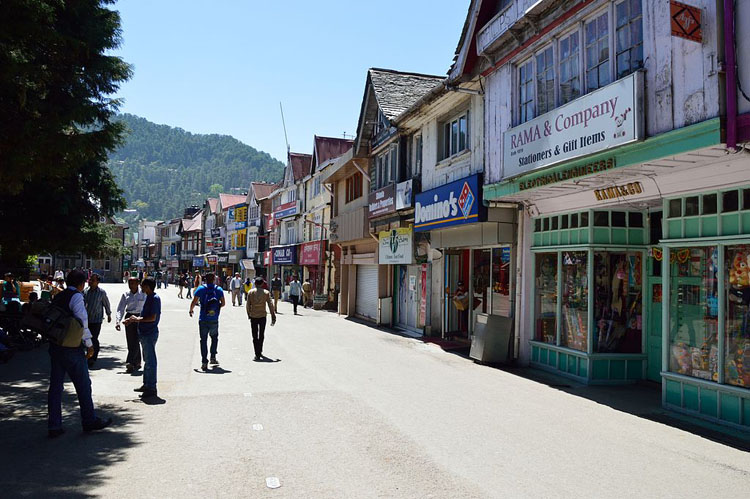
(605, 118)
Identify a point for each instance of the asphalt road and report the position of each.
(346, 411)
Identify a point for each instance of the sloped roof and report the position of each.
(263, 189)
(396, 91)
(229, 200)
(192, 224)
(328, 148)
(213, 203)
(300, 164)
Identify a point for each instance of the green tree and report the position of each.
(215, 190)
(56, 128)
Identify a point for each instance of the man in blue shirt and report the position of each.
(211, 298)
(148, 333)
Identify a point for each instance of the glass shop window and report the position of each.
(737, 318)
(575, 293)
(730, 201)
(546, 297)
(482, 280)
(501, 281)
(618, 298)
(694, 310)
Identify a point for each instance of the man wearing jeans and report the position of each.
(96, 304)
(257, 300)
(148, 334)
(211, 298)
(72, 361)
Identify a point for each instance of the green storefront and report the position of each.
(637, 267)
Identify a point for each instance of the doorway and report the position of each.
(654, 301)
(408, 291)
(457, 298)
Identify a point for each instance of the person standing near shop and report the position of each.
(235, 286)
(257, 300)
(97, 303)
(307, 292)
(276, 286)
(181, 284)
(72, 361)
(247, 287)
(211, 298)
(131, 304)
(295, 292)
(148, 334)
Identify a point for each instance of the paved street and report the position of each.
(347, 411)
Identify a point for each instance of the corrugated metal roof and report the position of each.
(328, 148)
(300, 165)
(229, 200)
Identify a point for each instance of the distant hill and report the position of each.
(163, 169)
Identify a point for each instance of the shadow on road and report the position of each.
(215, 370)
(69, 466)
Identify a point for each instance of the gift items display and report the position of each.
(575, 300)
(618, 313)
(737, 320)
(694, 312)
(546, 297)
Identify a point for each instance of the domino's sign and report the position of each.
(456, 203)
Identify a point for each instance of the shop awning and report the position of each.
(247, 264)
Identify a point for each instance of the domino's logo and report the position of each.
(466, 200)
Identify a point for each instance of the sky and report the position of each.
(223, 66)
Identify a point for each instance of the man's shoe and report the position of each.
(55, 433)
(204, 366)
(214, 361)
(256, 358)
(141, 388)
(99, 424)
(148, 393)
(129, 368)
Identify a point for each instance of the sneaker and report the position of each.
(214, 361)
(204, 366)
(140, 388)
(55, 433)
(99, 424)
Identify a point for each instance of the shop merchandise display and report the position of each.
(575, 301)
(737, 336)
(618, 302)
(546, 297)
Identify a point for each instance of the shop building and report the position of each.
(258, 209)
(634, 229)
(191, 233)
(211, 231)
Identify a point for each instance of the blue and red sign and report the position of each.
(284, 255)
(456, 203)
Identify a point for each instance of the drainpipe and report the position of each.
(731, 74)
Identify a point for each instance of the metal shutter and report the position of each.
(367, 291)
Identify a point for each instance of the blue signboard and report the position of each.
(285, 255)
(198, 261)
(456, 203)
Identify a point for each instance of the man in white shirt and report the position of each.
(72, 361)
(131, 304)
(235, 285)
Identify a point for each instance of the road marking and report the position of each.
(247, 394)
(272, 482)
(257, 427)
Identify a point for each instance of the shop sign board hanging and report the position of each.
(382, 201)
(456, 203)
(310, 253)
(285, 255)
(404, 195)
(396, 246)
(608, 117)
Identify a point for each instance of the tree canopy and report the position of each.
(57, 87)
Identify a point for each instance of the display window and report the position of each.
(737, 316)
(618, 302)
(694, 311)
(546, 297)
(575, 300)
(501, 282)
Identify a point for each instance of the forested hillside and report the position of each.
(164, 169)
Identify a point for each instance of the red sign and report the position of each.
(686, 21)
(423, 295)
(310, 252)
(212, 259)
(266, 258)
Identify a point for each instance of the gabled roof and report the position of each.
(229, 200)
(327, 148)
(393, 92)
(300, 164)
(213, 204)
(262, 189)
(466, 57)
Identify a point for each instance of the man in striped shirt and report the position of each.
(96, 304)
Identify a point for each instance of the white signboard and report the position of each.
(404, 195)
(606, 118)
(396, 246)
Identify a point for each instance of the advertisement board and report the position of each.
(605, 118)
(198, 261)
(456, 203)
(396, 246)
(286, 210)
(382, 201)
(310, 253)
(284, 255)
(404, 195)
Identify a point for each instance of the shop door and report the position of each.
(457, 294)
(402, 284)
(367, 291)
(654, 338)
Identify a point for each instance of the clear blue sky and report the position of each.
(223, 66)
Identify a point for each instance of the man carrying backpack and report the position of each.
(211, 298)
(72, 361)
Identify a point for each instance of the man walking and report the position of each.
(181, 282)
(131, 304)
(295, 292)
(257, 300)
(148, 334)
(307, 292)
(211, 299)
(72, 361)
(235, 285)
(96, 303)
(276, 290)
